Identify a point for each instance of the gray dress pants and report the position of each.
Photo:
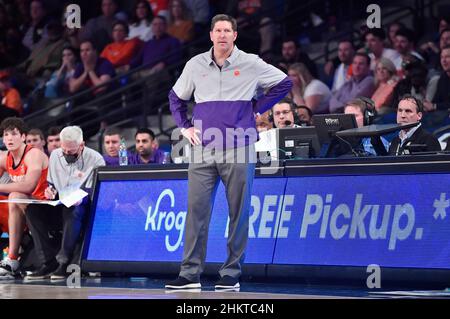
(236, 168)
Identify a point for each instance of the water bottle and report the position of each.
(123, 154)
(5, 253)
(166, 158)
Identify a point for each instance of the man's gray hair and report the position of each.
(71, 134)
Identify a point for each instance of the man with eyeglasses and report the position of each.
(283, 114)
(69, 169)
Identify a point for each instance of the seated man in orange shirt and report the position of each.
(11, 104)
(27, 168)
(121, 51)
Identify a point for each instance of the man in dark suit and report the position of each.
(415, 139)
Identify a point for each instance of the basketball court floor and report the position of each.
(151, 288)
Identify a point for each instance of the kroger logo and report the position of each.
(158, 218)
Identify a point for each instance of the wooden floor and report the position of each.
(14, 291)
(153, 288)
(126, 288)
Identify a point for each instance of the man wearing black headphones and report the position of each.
(283, 114)
(364, 110)
(415, 139)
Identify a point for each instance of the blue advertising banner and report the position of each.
(144, 221)
(389, 220)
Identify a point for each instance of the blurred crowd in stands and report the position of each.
(43, 60)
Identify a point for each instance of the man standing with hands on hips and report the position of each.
(224, 82)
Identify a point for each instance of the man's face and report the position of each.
(159, 27)
(281, 113)
(144, 144)
(223, 36)
(87, 52)
(72, 148)
(445, 40)
(108, 8)
(360, 66)
(35, 141)
(402, 45)
(445, 60)
(289, 51)
(354, 109)
(12, 139)
(53, 142)
(112, 144)
(407, 112)
(374, 43)
(345, 52)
